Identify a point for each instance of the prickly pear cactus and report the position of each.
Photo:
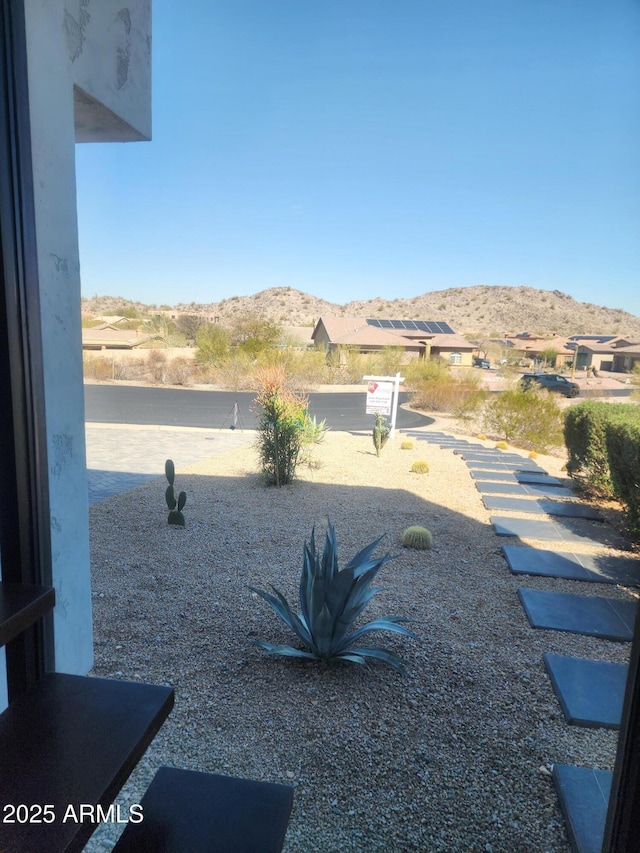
(381, 430)
(175, 506)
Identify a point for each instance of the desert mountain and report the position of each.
(479, 310)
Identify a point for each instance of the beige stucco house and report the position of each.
(417, 338)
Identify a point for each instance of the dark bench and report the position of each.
(190, 812)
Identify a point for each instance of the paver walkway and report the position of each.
(122, 457)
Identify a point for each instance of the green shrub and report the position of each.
(435, 388)
(585, 427)
(331, 600)
(623, 449)
(501, 445)
(525, 418)
(282, 415)
(418, 538)
(406, 445)
(420, 467)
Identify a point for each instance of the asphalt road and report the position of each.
(183, 407)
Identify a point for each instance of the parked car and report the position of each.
(482, 362)
(552, 382)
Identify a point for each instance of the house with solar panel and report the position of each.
(417, 338)
(606, 352)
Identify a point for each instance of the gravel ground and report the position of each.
(454, 757)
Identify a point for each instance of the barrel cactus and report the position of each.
(418, 538)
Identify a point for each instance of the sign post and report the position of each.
(382, 396)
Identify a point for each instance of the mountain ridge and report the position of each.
(487, 310)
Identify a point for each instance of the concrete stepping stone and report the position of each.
(575, 530)
(523, 489)
(624, 571)
(523, 477)
(590, 692)
(595, 616)
(491, 456)
(504, 476)
(533, 478)
(583, 794)
(507, 467)
(542, 506)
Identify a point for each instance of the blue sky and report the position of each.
(362, 148)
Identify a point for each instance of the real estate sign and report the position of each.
(379, 397)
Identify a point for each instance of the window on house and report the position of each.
(455, 358)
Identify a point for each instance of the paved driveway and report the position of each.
(123, 457)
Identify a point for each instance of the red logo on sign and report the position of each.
(372, 387)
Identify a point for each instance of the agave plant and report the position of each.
(331, 600)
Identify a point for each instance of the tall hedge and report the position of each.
(585, 427)
(623, 447)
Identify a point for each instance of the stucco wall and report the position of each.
(104, 48)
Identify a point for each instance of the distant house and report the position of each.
(606, 352)
(106, 336)
(626, 358)
(417, 338)
(532, 346)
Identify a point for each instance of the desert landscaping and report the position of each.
(456, 756)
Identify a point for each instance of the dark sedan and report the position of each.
(551, 382)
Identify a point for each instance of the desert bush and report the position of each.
(585, 427)
(435, 388)
(623, 450)
(418, 538)
(406, 445)
(97, 368)
(420, 466)
(525, 418)
(212, 343)
(501, 445)
(281, 420)
(533, 455)
(303, 368)
(130, 369)
(235, 373)
(331, 600)
(481, 436)
(156, 364)
(179, 371)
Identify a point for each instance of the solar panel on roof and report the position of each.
(432, 327)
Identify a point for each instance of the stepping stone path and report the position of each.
(574, 530)
(608, 618)
(584, 799)
(516, 477)
(542, 506)
(624, 571)
(522, 490)
(590, 692)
